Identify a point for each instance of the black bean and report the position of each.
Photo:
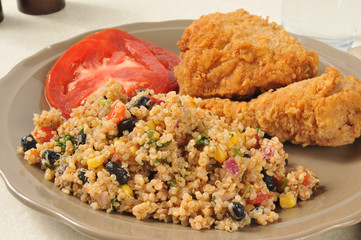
(271, 185)
(28, 142)
(50, 156)
(143, 101)
(82, 177)
(126, 125)
(80, 138)
(267, 136)
(246, 155)
(120, 173)
(236, 211)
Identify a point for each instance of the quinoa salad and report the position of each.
(163, 157)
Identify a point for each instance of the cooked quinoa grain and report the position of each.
(168, 159)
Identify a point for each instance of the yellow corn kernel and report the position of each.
(95, 161)
(219, 154)
(127, 190)
(133, 150)
(287, 200)
(117, 142)
(155, 136)
(150, 124)
(234, 138)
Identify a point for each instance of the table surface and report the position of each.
(23, 35)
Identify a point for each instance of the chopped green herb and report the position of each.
(284, 183)
(245, 192)
(150, 133)
(172, 183)
(62, 142)
(244, 176)
(162, 160)
(213, 198)
(48, 165)
(257, 129)
(151, 142)
(202, 139)
(103, 101)
(189, 134)
(167, 143)
(215, 164)
(238, 151)
(231, 135)
(113, 209)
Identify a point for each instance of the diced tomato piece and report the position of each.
(155, 101)
(43, 134)
(260, 198)
(117, 112)
(307, 179)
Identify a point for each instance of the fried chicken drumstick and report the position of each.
(237, 55)
(324, 110)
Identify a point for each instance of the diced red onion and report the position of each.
(177, 123)
(256, 145)
(268, 152)
(231, 166)
(103, 200)
(226, 196)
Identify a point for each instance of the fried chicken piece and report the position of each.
(324, 110)
(238, 55)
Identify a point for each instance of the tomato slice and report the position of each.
(110, 54)
(167, 58)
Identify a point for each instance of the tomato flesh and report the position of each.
(167, 58)
(117, 112)
(260, 198)
(110, 54)
(43, 134)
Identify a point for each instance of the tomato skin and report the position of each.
(43, 134)
(155, 101)
(110, 54)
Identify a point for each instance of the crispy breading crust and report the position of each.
(324, 110)
(239, 55)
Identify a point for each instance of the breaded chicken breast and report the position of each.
(237, 55)
(324, 110)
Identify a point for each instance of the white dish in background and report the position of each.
(337, 203)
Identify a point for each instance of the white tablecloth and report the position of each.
(23, 35)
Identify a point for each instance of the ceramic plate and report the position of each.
(336, 204)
